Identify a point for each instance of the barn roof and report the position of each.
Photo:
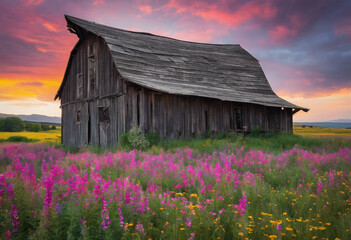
(221, 71)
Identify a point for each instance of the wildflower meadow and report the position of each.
(234, 193)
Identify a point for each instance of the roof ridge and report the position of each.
(69, 17)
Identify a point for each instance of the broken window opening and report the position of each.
(78, 117)
(91, 51)
(104, 114)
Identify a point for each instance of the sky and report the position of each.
(304, 46)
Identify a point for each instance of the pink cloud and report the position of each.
(41, 49)
(145, 9)
(98, 2)
(32, 2)
(49, 26)
(220, 14)
(343, 28)
(281, 32)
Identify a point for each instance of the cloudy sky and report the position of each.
(304, 46)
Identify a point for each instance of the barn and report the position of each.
(116, 79)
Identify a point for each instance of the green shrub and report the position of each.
(134, 139)
(32, 127)
(53, 127)
(45, 127)
(153, 138)
(20, 139)
(208, 133)
(255, 131)
(124, 142)
(2, 124)
(233, 136)
(220, 135)
(13, 124)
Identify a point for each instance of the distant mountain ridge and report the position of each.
(34, 118)
(341, 121)
(330, 124)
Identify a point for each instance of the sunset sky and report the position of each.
(303, 46)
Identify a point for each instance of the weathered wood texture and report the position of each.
(177, 116)
(86, 102)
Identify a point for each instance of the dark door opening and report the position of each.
(238, 118)
(207, 125)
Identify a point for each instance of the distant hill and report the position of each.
(326, 124)
(34, 118)
(341, 120)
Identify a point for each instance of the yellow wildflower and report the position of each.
(241, 234)
(288, 229)
(272, 236)
(322, 228)
(193, 195)
(181, 229)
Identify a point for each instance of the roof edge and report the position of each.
(72, 20)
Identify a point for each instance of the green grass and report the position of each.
(307, 138)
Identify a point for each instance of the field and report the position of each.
(322, 131)
(53, 136)
(254, 187)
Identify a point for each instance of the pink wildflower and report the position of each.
(241, 207)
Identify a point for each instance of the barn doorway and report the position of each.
(238, 118)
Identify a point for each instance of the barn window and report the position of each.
(91, 50)
(78, 117)
(238, 118)
(79, 81)
(104, 114)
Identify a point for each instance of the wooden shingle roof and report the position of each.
(221, 71)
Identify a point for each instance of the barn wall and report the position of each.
(176, 116)
(100, 88)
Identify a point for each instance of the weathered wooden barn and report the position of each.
(116, 78)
